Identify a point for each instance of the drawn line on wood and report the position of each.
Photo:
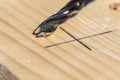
(74, 38)
(94, 35)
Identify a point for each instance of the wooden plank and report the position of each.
(28, 58)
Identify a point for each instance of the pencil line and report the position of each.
(94, 35)
(75, 39)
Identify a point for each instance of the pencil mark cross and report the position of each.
(78, 39)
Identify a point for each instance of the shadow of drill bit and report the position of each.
(5, 74)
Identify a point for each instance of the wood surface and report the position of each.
(28, 58)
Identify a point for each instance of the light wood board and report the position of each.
(28, 59)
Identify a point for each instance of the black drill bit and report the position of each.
(68, 11)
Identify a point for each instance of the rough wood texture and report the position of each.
(27, 57)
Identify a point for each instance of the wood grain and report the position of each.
(28, 59)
